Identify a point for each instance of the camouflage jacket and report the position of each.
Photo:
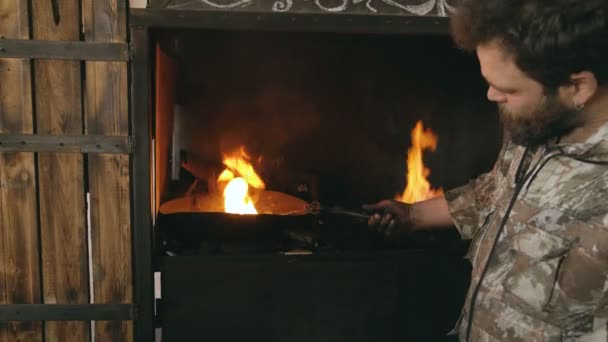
(548, 277)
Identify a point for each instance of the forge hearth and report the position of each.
(332, 111)
(324, 117)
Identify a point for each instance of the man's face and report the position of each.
(529, 114)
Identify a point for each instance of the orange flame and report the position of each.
(237, 199)
(418, 187)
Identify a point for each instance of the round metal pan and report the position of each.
(266, 202)
(202, 217)
(228, 227)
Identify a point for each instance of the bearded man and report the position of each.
(539, 220)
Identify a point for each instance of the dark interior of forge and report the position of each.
(336, 108)
(333, 112)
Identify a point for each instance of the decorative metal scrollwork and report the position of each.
(442, 8)
(282, 5)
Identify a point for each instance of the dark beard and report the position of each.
(551, 119)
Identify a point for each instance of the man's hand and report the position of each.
(390, 217)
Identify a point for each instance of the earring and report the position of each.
(579, 106)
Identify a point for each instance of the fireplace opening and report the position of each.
(318, 116)
(324, 121)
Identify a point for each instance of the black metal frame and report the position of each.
(141, 199)
(309, 22)
(141, 22)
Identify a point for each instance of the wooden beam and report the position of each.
(67, 50)
(58, 92)
(65, 143)
(67, 312)
(19, 255)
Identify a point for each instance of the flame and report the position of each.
(418, 187)
(237, 199)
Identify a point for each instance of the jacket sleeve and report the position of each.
(470, 204)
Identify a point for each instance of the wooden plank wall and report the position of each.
(58, 110)
(43, 209)
(19, 253)
(106, 108)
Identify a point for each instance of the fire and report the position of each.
(418, 187)
(239, 175)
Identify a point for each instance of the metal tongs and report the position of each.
(315, 208)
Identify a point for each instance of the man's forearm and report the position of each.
(431, 214)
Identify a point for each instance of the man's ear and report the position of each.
(583, 85)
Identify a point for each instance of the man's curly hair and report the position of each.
(549, 39)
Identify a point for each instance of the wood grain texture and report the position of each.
(61, 175)
(106, 108)
(66, 143)
(19, 256)
(70, 50)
